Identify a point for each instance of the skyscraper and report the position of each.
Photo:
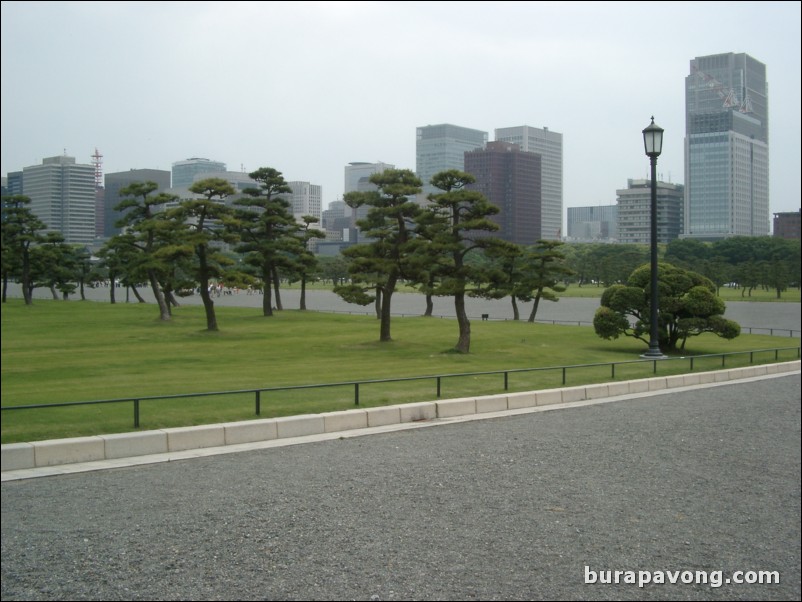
(726, 148)
(442, 147)
(184, 172)
(115, 182)
(548, 145)
(358, 173)
(62, 195)
(305, 199)
(510, 179)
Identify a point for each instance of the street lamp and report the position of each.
(653, 142)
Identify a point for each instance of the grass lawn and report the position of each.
(81, 351)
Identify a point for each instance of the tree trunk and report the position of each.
(303, 293)
(208, 305)
(389, 289)
(515, 313)
(534, 308)
(27, 287)
(164, 311)
(169, 297)
(378, 303)
(275, 288)
(464, 343)
(267, 298)
(53, 292)
(137, 295)
(429, 306)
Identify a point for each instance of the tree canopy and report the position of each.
(687, 304)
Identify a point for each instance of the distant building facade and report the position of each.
(115, 182)
(357, 179)
(357, 175)
(787, 224)
(635, 211)
(306, 199)
(442, 147)
(62, 194)
(13, 183)
(510, 179)
(593, 224)
(726, 148)
(184, 172)
(549, 145)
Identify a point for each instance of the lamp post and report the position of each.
(653, 142)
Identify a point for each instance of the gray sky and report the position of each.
(307, 87)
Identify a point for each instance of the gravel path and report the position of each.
(782, 317)
(508, 508)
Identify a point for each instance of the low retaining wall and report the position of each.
(20, 456)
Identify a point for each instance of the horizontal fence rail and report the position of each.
(437, 379)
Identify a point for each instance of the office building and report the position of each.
(357, 179)
(306, 199)
(357, 175)
(115, 182)
(787, 224)
(442, 147)
(548, 145)
(185, 172)
(635, 211)
(726, 148)
(13, 184)
(62, 194)
(510, 179)
(593, 224)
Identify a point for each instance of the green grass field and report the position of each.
(56, 352)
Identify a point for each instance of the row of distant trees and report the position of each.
(765, 262)
(175, 245)
(444, 248)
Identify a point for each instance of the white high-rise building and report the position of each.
(306, 199)
(549, 145)
(62, 195)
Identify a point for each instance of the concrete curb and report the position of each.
(55, 452)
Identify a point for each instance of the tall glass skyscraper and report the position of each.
(726, 148)
(442, 147)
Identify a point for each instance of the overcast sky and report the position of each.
(307, 87)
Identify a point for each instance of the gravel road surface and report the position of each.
(525, 507)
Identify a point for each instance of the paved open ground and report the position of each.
(511, 508)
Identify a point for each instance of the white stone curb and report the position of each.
(54, 452)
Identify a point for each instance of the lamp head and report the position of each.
(653, 139)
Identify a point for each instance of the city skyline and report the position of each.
(308, 106)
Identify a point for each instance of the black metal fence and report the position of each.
(773, 354)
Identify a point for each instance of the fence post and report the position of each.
(563, 375)
(258, 402)
(356, 394)
(506, 381)
(136, 413)
(438, 387)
